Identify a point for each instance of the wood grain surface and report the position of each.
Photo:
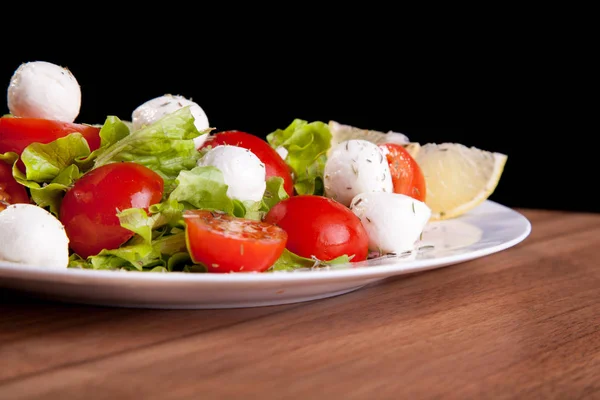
(520, 324)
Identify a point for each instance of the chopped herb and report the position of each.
(317, 262)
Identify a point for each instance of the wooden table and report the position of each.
(523, 323)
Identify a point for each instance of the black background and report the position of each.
(437, 95)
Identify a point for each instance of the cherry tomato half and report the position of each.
(320, 227)
(407, 177)
(89, 208)
(224, 243)
(274, 164)
(18, 133)
(11, 191)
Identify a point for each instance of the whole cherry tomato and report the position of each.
(89, 209)
(320, 227)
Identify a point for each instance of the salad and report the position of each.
(166, 192)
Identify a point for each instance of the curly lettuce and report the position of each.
(306, 145)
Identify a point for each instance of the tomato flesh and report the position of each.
(274, 164)
(89, 209)
(11, 191)
(224, 243)
(18, 133)
(320, 227)
(407, 176)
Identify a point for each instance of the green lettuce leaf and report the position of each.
(274, 193)
(44, 162)
(47, 195)
(289, 261)
(112, 131)
(204, 187)
(138, 221)
(138, 257)
(166, 146)
(183, 262)
(155, 247)
(9, 158)
(50, 195)
(168, 213)
(307, 145)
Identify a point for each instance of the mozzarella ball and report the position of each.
(40, 89)
(31, 235)
(356, 166)
(393, 221)
(242, 171)
(154, 109)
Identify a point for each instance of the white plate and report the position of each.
(487, 229)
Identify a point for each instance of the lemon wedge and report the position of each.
(458, 177)
(342, 132)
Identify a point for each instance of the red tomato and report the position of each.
(320, 227)
(11, 191)
(18, 133)
(89, 209)
(274, 164)
(407, 176)
(228, 244)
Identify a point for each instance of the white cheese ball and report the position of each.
(31, 235)
(393, 221)
(356, 166)
(155, 109)
(242, 170)
(40, 89)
